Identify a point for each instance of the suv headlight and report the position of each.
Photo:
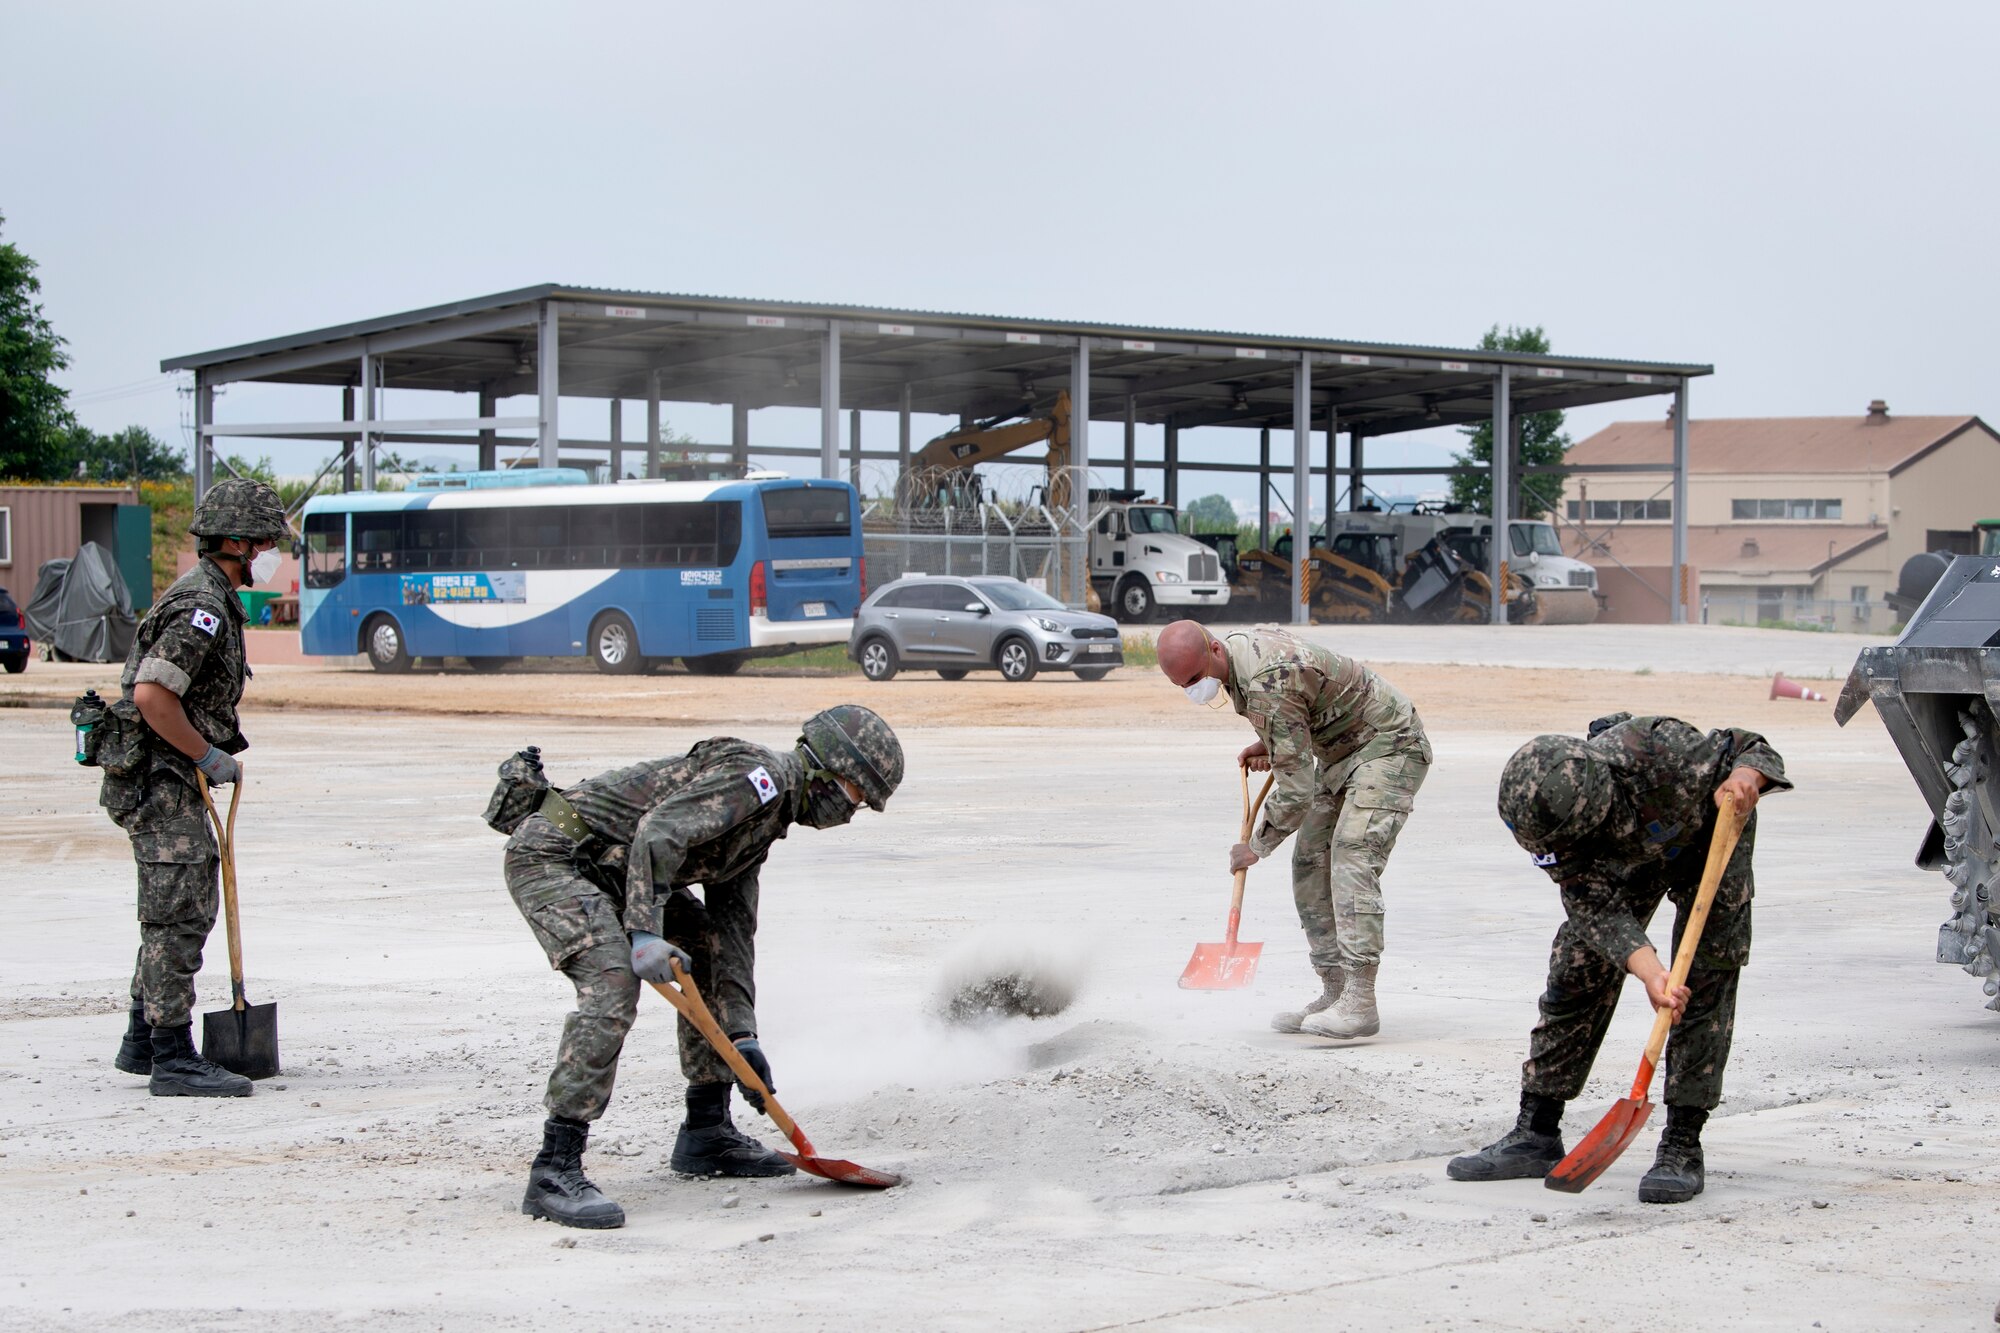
(1048, 624)
(1165, 576)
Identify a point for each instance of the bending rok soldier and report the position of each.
(1619, 821)
(602, 872)
(181, 684)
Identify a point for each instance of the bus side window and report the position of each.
(326, 550)
(430, 539)
(538, 537)
(482, 535)
(377, 539)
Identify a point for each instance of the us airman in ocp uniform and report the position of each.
(185, 675)
(602, 872)
(1619, 821)
(1349, 753)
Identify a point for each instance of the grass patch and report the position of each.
(829, 658)
(1140, 652)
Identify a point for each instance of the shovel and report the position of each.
(244, 1037)
(686, 998)
(1621, 1124)
(1230, 964)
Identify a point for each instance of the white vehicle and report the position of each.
(1140, 564)
(1565, 589)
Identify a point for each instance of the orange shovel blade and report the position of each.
(847, 1173)
(1601, 1147)
(1221, 966)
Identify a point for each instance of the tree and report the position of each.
(34, 411)
(1542, 442)
(133, 454)
(1212, 513)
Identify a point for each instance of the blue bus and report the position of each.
(631, 573)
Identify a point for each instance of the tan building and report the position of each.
(40, 523)
(1794, 519)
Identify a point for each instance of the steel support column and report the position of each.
(489, 442)
(829, 402)
(1678, 593)
(204, 443)
(368, 371)
(902, 437)
(1357, 483)
(346, 446)
(1499, 484)
(1131, 439)
(1263, 488)
(548, 383)
(1077, 558)
(1333, 472)
(1301, 487)
(854, 448)
(653, 425)
(617, 437)
(1170, 491)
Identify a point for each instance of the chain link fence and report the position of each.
(1030, 543)
(1789, 611)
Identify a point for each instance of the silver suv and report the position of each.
(988, 623)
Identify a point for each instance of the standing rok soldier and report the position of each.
(602, 872)
(1349, 754)
(1619, 821)
(185, 676)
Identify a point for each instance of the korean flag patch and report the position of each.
(1544, 859)
(206, 622)
(767, 790)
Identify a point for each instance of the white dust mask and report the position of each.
(1203, 690)
(265, 566)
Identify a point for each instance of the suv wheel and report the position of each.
(878, 659)
(1016, 659)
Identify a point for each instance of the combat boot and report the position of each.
(179, 1070)
(1353, 1014)
(558, 1191)
(135, 1052)
(1678, 1171)
(724, 1150)
(1529, 1151)
(1330, 983)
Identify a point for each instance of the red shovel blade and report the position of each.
(845, 1173)
(1221, 966)
(1601, 1147)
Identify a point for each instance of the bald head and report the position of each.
(1187, 653)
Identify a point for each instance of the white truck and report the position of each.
(1140, 564)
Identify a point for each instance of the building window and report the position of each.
(1750, 511)
(1613, 511)
(6, 535)
(1857, 598)
(1575, 510)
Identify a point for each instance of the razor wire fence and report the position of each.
(1030, 543)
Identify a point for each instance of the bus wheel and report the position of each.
(878, 659)
(382, 640)
(1135, 602)
(1092, 673)
(714, 664)
(951, 673)
(491, 664)
(1016, 659)
(614, 645)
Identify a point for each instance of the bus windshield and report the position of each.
(803, 511)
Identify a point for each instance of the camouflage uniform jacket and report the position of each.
(191, 642)
(1664, 774)
(1308, 704)
(707, 817)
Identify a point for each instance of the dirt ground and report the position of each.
(1151, 1157)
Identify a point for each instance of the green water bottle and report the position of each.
(84, 715)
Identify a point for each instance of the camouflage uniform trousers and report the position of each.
(578, 926)
(1583, 989)
(1340, 850)
(178, 891)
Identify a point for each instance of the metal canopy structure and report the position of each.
(552, 342)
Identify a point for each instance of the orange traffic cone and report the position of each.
(1782, 688)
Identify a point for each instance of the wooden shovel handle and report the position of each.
(225, 839)
(1249, 820)
(686, 997)
(1721, 846)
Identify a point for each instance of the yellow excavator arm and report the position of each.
(964, 448)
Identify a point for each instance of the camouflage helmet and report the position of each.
(239, 508)
(1554, 791)
(858, 745)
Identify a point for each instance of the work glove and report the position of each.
(753, 1055)
(219, 768)
(653, 958)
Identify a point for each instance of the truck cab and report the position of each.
(1141, 563)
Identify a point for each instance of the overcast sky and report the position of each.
(1801, 194)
